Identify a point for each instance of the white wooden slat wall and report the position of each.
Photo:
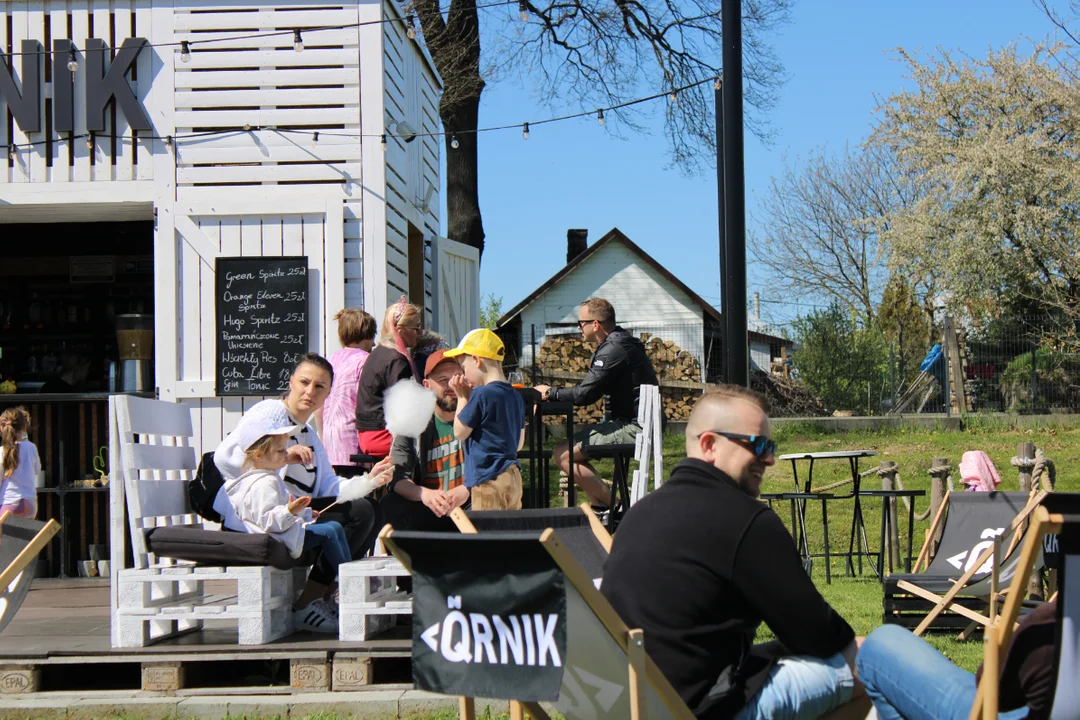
(57, 157)
(263, 83)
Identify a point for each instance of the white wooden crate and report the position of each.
(368, 598)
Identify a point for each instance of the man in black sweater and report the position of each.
(617, 370)
(700, 563)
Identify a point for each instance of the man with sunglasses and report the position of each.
(700, 563)
(618, 369)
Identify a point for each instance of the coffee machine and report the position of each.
(135, 345)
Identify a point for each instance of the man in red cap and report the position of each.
(429, 476)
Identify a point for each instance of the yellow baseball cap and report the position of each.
(481, 343)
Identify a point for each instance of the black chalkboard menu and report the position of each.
(261, 314)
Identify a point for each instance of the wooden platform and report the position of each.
(60, 641)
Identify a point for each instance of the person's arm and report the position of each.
(768, 572)
(468, 413)
(260, 507)
(597, 381)
(405, 455)
(521, 440)
(317, 421)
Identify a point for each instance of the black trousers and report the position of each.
(361, 520)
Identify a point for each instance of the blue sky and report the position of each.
(575, 175)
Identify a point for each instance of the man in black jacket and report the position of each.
(700, 563)
(618, 369)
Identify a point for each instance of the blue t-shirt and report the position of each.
(496, 414)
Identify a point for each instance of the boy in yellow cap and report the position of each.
(490, 421)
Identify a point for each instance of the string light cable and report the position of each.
(314, 136)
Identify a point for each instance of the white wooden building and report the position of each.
(255, 182)
(646, 296)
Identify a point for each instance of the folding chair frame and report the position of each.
(466, 527)
(946, 601)
(998, 635)
(28, 553)
(641, 671)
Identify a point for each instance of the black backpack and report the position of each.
(203, 489)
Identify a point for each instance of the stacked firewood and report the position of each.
(678, 371)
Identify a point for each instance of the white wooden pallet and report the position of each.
(369, 601)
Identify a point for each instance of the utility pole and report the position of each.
(733, 194)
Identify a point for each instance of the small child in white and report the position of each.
(264, 506)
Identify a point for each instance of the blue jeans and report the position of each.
(908, 679)
(330, 538)
(800, 687)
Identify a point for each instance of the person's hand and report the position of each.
(299, 455)
(436, 501)
(382, 472)
(315, 514)
(543, 390)
(461, 386)
(458, 497)
(297, 504)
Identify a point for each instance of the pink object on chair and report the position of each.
(978, 472)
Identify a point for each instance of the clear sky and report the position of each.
(575, 175)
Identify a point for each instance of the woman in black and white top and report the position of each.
(308, 473)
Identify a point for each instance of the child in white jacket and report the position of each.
(263, 505)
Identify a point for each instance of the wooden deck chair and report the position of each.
(1059, 535)
(21, 540)
(579, 528)
(601, 670)
(959, 578)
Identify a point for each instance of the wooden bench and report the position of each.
(152, 461)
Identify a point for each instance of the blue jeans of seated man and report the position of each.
(801, 688)
(330, 538)
(907, 679)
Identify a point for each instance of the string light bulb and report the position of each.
(382, 141)
(716, 84)
(185, 51)
(454, 142)
(90, 141)
(168, 141)
(72, 64)
(12, 152)
(674, 96)
(523, 9)
(525, 131)
(297, 41)
(315, 138)
(411, 29)
(600, 117)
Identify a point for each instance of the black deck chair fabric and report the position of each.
(973, 520)
(1067, 663)
(572, 526)
(16, 534)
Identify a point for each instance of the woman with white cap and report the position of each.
(307, 473)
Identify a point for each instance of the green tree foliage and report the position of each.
(905, 326)
(490, 311)
(836, 358)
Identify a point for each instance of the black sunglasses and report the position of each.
(583, 322)
(760, 445)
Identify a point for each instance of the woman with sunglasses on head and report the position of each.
(396, 357)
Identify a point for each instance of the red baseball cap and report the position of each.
(434, 360)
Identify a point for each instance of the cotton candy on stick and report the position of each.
(408, 407)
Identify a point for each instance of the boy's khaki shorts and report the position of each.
(502, 493)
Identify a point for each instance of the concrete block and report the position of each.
(209, 707)
(350, 673)
(258, 707)
(418, 702)
(162, 677)
(18, 679)
(369, 705)
(21, 708)
(143, 708)
(312, 675)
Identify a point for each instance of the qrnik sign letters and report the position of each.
(101, 86)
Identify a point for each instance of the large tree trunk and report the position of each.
(463, 221)
(454, 44)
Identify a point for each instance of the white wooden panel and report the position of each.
(80, 30)
(19, 26)
(271, 235)
(259, 118)
(144, 148)
(282, 77)
(334, 264)
(225, 39)
(340, 172)
(102, 168)
(250, 236)
(124, 168)
(252, 154)
(190, 279)
(210, 414)
(262, 140)
(273, 58)
(264, 20)
(313, 248)
(4, 135)
(250, 97)
(36, 30)
(292, 236)
(60, 170)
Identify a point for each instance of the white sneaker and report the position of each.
(330, 607)
(315, 618)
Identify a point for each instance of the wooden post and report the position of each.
(1025, 451)
(892, 541)
(517, 712)
(467, 708)
(939, 472)
(635, 651)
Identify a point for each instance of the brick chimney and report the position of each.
(577, 242)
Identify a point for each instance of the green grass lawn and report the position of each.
(859, 599)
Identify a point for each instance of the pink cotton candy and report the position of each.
(978, 472)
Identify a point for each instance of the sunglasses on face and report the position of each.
(582, 323)
(761, 445)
